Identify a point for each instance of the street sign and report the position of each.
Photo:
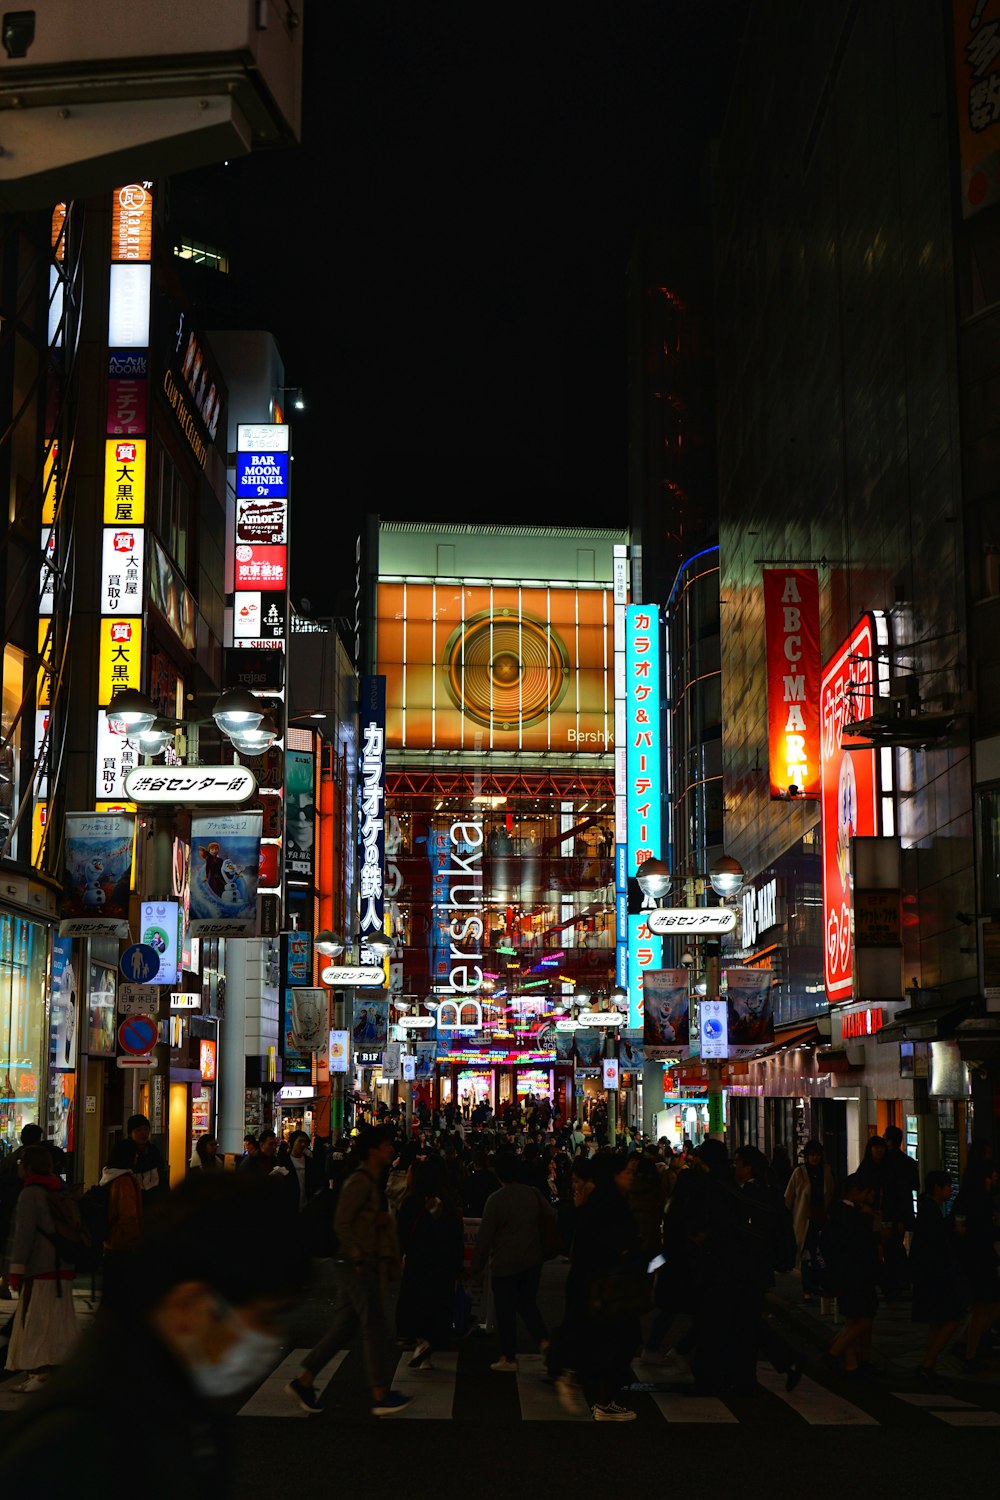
(137, 1000)
(136, 1062)
(419, 1022)
(365, 976)
(600, 1018)
(140, 963)
(138, 1035)
(201, 786)
(689, 921)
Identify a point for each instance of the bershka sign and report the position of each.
(462, 907)
(791, 623)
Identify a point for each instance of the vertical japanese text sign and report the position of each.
(642, 764)
(371, 823)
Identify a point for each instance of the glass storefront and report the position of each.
(23, 969)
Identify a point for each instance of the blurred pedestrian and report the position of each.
(150, 1168)
(199, 1317)
(44, 1328)
(974, 1219)
(901, 1191)
(934, 1269)
(510, 1241)
(432, 1243)
(849, 1247)
(205, 1157)
(808, 1196)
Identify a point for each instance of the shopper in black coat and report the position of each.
(935, 1273)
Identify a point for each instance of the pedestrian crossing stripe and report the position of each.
(434, 1393)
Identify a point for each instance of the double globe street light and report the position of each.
(238, 714)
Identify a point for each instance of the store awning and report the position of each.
(802, 1034)
(929, 1023)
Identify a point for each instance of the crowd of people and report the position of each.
(670, 1254)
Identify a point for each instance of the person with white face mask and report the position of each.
(198, 1319)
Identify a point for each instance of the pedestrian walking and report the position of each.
(808, 1196)
(849, 1247)
(431, 1240)
(772, 1248)
(369, 1262)
(150, 1168)
(44, 1329)
(974, 1219)
(205, 1157)
(510, 1240)
(936, 1274)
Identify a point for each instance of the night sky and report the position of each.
(443, 261)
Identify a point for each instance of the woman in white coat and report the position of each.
(808, 1197)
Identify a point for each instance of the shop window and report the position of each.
(173, 509)
(23, 957)
(10, 740)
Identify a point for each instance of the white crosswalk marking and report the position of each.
(269, 1399)
(950, 1409)
(433, 1391)
(969, 1418)
(538, 1398)
(692, 1408)
(814, 1403)
(934, 1402)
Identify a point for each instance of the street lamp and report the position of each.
(328, 943)
(254, 739)
(654, 878)
(726, 876)
(133, 710)
(379, 943)
(237, 711)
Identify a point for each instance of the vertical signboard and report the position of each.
(856, 785)
(791, 624)
(371, 821)
(643, 752)
(977, 97)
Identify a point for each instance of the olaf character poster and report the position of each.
(98, 870)
(225, 856)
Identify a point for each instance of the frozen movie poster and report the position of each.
(564, 1046)
(98, 870)
(225, 858)
(65, 998)
(426, 1052)
(630, 1050)
(370, 1028)
(589, 1046)
(751, 1017)
(101, 1001)
(666, 1015)
(309, 1019)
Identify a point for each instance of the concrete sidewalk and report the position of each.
(897, 1342)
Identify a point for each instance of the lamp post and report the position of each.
(726, 877)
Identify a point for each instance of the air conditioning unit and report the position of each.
(97, 93)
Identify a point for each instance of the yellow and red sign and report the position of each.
(977, 97)
(124, 481)
(791, 622)
(850, 800)
(121, 657)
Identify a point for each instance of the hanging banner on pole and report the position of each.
(666, 1030)
(309, 1028)
(97, 875)
(791, 623)
(751, 1017)
(225, 859)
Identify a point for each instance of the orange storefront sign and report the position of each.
(132, 223)
(481, 667)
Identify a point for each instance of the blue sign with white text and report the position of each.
(262, 475)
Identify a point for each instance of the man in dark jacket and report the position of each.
(150, 1168)
(510, 1240)
(772, 1248)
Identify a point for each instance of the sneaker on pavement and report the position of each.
(612, 1412)
(421, 1357)
(505, 1366)
(391, 1403)
(304, 1395)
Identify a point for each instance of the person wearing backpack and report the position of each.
(123, 1232)
(46, 1224)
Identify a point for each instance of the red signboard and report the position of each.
(850, 800)
(261, 567)
(791, 620)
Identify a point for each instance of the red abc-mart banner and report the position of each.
(791, 622)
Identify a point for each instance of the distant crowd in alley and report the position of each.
(667, 1258)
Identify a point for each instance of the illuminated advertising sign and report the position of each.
(261, 567)
(261, 523)
(172, 597)
(128, 309)
(127, 403)
(977, 91)
(713, 1022)
(645, 951)
(259, 616)
(193, 388)
(262, 475)
(121, 570)
(791, 623)
(116, 757)
(642, 730)
(251, 436)
(495, 667)
(124, 481)
(371, 815)
(120, 658)
(132, 222)
(159, 928)
(852, 678)
(609, 1073)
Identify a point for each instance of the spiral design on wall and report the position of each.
(505, 668)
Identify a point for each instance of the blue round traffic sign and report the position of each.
(138, 1034)
(140, 963)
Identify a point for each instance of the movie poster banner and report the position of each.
(426, 1053)
(370, 1025)
(97, 875)
(589, 1044)
(225, 860)
(631, 1051)
(309, 1028)
(666, 1028)
(751, 1016)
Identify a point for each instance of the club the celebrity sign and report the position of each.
(791, 617)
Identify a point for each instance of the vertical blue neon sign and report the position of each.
(643, 760)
